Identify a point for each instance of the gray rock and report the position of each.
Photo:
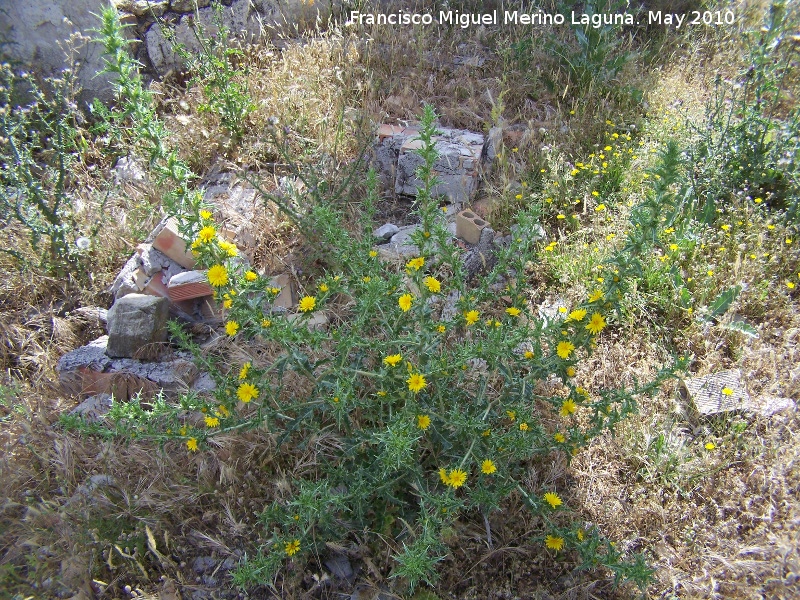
(386, 231)
(141, 8)
(481, 258)
(204, 564)
(339, 566)
(400, 247)
(94, 408)
(134, 322)
(188, 5)
(129, 169)
(89, 370)
(450, 309)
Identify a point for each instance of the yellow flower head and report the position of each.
(246, 392)
(488, 467)
(223, 411)
(423, 422)
(471, 317)
(568, 407)
(444, 477)
(528, 354)
(596, 324)
(564, 349)
(416, 382)
(596, 295)
(710, 446)
(552, 499)
(523, 427)
(227, 303)
(212, 421)
(415, 263)
(559, 437)
(266, 322)
(513, 311)
(244, 370)
(205, 215)
(291, 548)
(392, 360)
(217, 276)
(432, 284)
(570, 371)
(191, 444)
(231, 327)
(576, 315)
(229, 248)
(207, 234)
(554, 542)
(307, 303)
(441, 328)
(726, 391)
(250, 276)
(457, 478)
(405, 302)
(373, 253)
(323, 287)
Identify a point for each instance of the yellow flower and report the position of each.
(212, 421)
(227, 303)
(292, 548)
(580, 535)
(564, 349)
(710, 446)
(191, 444)
(552, 499)
(250, 276)
(456, 478)
(244, 370)
(205, 214)
(229, 248)
(554, 542)
(231, 327)
(570, 371)
(790, 285)
(246, 392)
(568, 407)
(596, 324)
(441, 328)
(323, 287)
(217, 276)
(206, 234)
(415, 263)
(596, 295)
(405, 302)
(223, 411)
(432, 284)
(392, 360)
(373, 253)
(266, 322)
(559, 437)
(513, 311)
(576, 315)
(726, 391)
(471, 317)
(444, 477)
(523, 427)
(511, 414)
(423, 422)
(488, 467)
(528, 354)
(416, 382)
(307, 303)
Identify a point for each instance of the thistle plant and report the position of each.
(434, 408)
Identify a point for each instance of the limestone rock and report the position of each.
(89, 370)
(135, 321)
(386, 231)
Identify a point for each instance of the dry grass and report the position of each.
(717, 524)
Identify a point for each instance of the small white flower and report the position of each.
(83, 243)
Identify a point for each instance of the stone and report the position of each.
(400, 247)
(339, 566)
(481, 258)
(706, 393)
(189, 285)
(469, 226)
(456, 167)
(188, 5)
(287, 298)
(168, 240)
(129, 170)
(142, 8)
(386, 231)
(317, 321)
(94, 408)
(134, 322)
(88, 370)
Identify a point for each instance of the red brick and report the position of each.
(169, 241)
